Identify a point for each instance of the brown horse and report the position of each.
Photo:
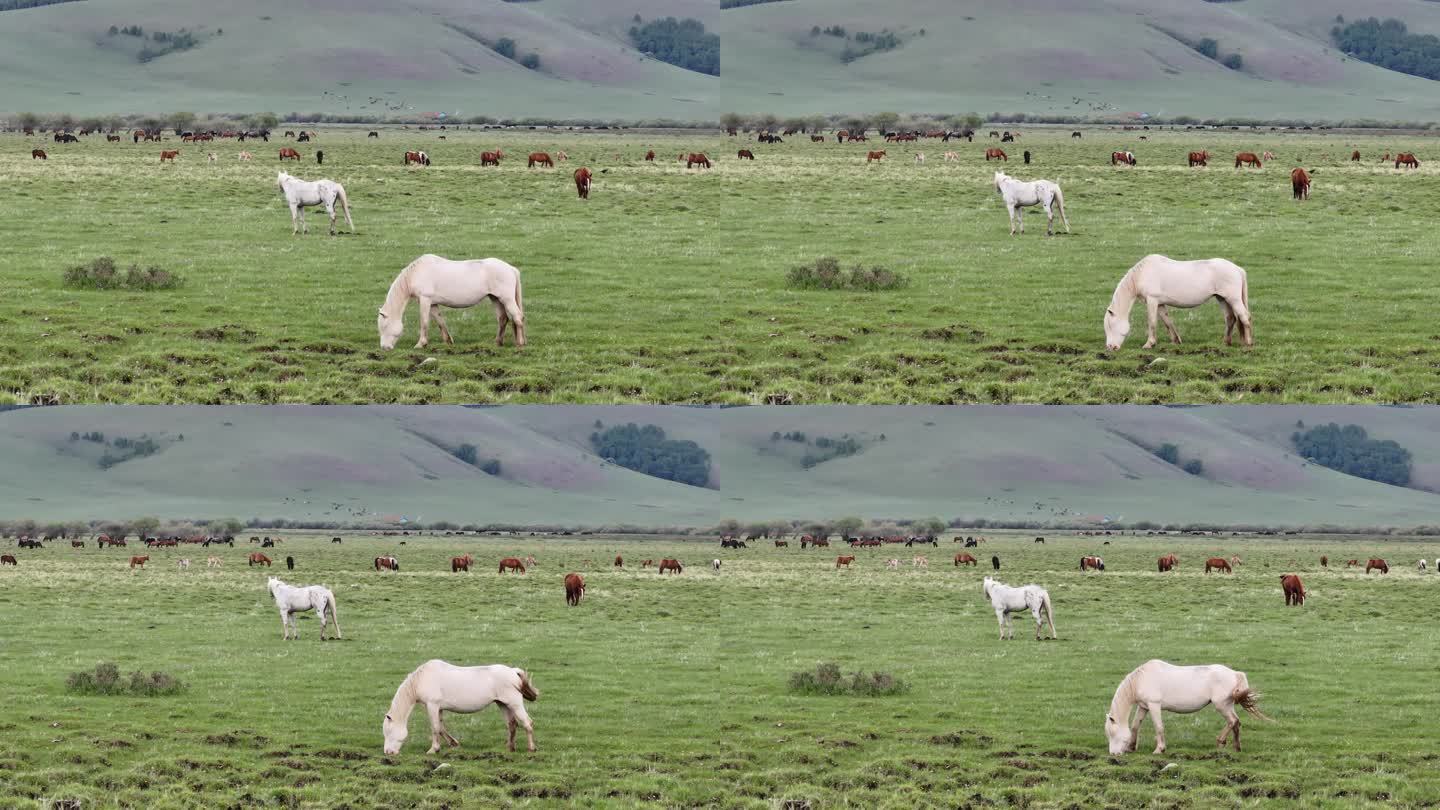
(1092, 563)
(1247, 159)
(77, 543)
(574, 589)
(1352, 564)
(417, 157)
(491, 158)
(38, 154)
(1218, 563)
(782, 544)
(650, 155)
(540, 159)
(582, 182)
(746, 154)
(511, 564)
(1294, 590)
(1168, 563)
(647, 563)
(387, 563)
(1127, 158)
(619, 563)
(1199, 159)
(458, 564)
(1406, 159)
(9, 558)
(288, 153)
(1355, 156)
(1300, 183)
(996, 154)
(139, 562)
(965, 559)
(697, 159)
(845, 561)
(673, 566)
(169, 154)
(871, 157)
(1375, 562)
(1324, 561)
(256, 558)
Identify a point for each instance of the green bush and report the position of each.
(106, 680)
(827, 679)
(1350, 450)
(826, 274)
(646, 450)
(102, 274)
(1194, 467)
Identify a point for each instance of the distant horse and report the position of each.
(183, 564)
(139, 562)
(871, 157)
(996, 154)
(745, 154)
(574, 589)
(511, 564)
(169, 154)
(1218, 564)
(650, 155)
(1199, 159)
(1324, 561)
(844, 561)
(1268, 155)
(1406, 159)
(1091, 563)
(965, 559)
(1294, 590)
(287, 153)
(38, 154)
(1247, 159)
(995, 561)
(1300, 183)
(715, 565)
(245, 156)
(561, 156)
(292, 599)
(582, 182)
(619, 563)
(1352, 564)
(436, 281)
(387, 563)
(1040, 540)
(301, 194)
(1377, 564)
(951, 156)
(372, 134)
(416, 157)
(1157, 686)
(213, 562)
(491, 158)
(9, 559)
(77, 543)
(540, 159)
(1164, 282)
(920, 562)
(442, 687)
(1168, 563)
(892, 564)
(671, 565)
(1355, 156)
(1118, 158)
(782, 544)
(646, 563)
(256, 558)
(697, 159)
(458, 564)
(1021, 194)
(1006, 600)
(1422, 565)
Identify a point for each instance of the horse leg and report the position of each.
(424, 323)
(330, 209)
(436, 725)
(1242, 314)
(517, 322)
(440, 321)
(519, 712)
(1159, 728)
(284, 625)
(1135, 726)
(1152, 312)
(503, 318)
(1049, 220)
(1229, 318)
(1169, 324)
(294, 219)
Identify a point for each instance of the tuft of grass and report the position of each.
(827, 679)
(101, 274)
(826, 274)
(106, 680)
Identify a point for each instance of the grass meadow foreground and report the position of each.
(670, 285)
(673, 691)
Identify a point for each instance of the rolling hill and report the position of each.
(1050, 464)
(358, 57)
(1069, 58)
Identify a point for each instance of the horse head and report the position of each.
(1118, 736)
(999, 178)
(395, 734)
(1116, 330)
(390, 329)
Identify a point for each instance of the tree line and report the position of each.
(13, 5)
(1389, 44)
(682, 43)
(646, 450)
(1350, 450)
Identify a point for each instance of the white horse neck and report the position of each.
(404, 701)
(399, 296)
(1124, 699)
(1125, 295)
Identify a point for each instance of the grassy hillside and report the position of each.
(362, 58)
(1042, 464)
(1069, 57)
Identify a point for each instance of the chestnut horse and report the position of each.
(845, 561)
(256, 558)
(782, 544)
(9, 558)
(619, 563)
(574, 589)
(458, 564)
(1127, 158)
(871, 157)
(1377, 563)
(673, 566)
(1324, 561)
(139, 562)
(417, 157)
(1355, 156)
(1300, 183)
(540, 158)
(1168, 563)
(1294, 590)
(511, 564)
(650, 155)
(1087, 563)
(491, 158)
(697, 159)
(746, 154)
(582, 182)
(38, 154)
(996, 154)
(965, 559)
(1406, 159)
(1247, 159)
(287, 152)
(387, 563)
(1218, 563)
(1199, 159)
(169, 154)
(1352, 564)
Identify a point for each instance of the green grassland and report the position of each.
(1076, 58)
(672, 691)
(669, 285)
(1026, 465)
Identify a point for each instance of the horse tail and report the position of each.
(1248, 699)
(519, 306)
(527, 690)
(345, 203)
(1049, 610)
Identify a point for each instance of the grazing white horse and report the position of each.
(1422, 564)
(1164, 282)
(1007, 600)
(301, 193)
(185, 564)
(291, 600)
(436, 281)
(1019, 194)
(715, 564)
(443, 687)
(1156, 685)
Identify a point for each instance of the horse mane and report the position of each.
(399, 295)
(1124, 696)
(527, 690)
(406, 691)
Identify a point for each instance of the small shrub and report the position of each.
(106, 680)
(827, 679)
(101, 274)
(826, 274)
(1194, 467)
